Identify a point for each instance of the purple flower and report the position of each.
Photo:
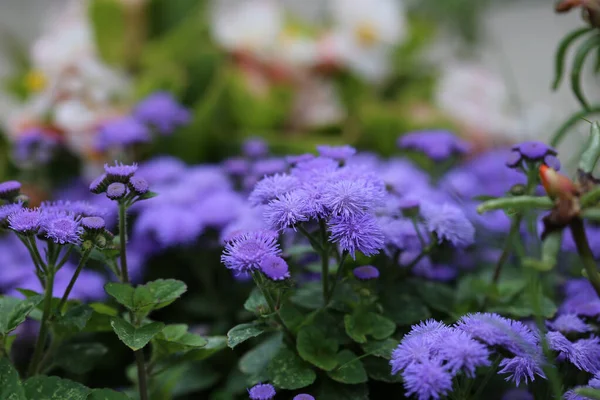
(9, 189)
(572, 395)
(314, 168)
(6, 210)
(62, 228)
(534, 151)
(426, 269)
(595, 381)
(161, 169)
(449, 223)
(349, 198)
(586, 354)
(521, 368)
(262, 391)
(271, 187)
(517, 394)
(34, 146)
(567, 323)
(462, 352)
(162, 111)
(168, 225)
(122, 132)
(295, 159)
(275, 268)
(78, 208)
(552, 161)
(116, 191)
(236, 166)
(93, 224)
(427, 380)
(437, 145)
(221, 208)
(303, 396)
(357, 232)
(99, 184)
(399, 234)
(246, 251)
(514, 159)
(120, 172)
(25, 221)
(366, 272)
(269, 166)
(285, 211)
(255, 147)
(339, 153)
(138, 185)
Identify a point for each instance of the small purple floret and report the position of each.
(262, 391)
(116, 191)
(25, 221)
(162, 111)
(93, 223)
(9, 189)
(122, 132)
(61, 228)
(120, 172)
(339, 153)
(303, 396)
(245, 252)
(366, 272)
(437, 145)
(275, 268)
(138, 185)
(534, 151)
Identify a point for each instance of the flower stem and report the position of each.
(80, 266)
(123, 241)
(514, 230)
(587, 257)
(324, 261)
(338, 275)
(142, 381)
(258, 280)
(41, 339)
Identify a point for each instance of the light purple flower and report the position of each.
(262, 391)
(255, 147)
(533, 150)
(339, 153)
(286, 211)
(220, 208)
(6, 210)
(521, 368)
(122, 132)
(303, 396)
(138, 185)
(78, 208)
(116, 191)
(437, 144)
(271, 187)
(61, 228)
(246, 251)
(567, 323)
(449, 223)
(168, 225)
(93, 224)
(349, 198)
(427, 380)
(462, 353)
(9, 189)
(366, 272)
(357, 233)
(161, 169)
(275, 268)
(236, 166)
(34, 146)
(120, 172)
(162, 111)
(269, 166)
(99, 184)
(25, 221)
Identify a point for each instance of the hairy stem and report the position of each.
(43, 334)
(514, 230)
(587, 257)
(324, 260)
(123, 241)
(78, 270)
(338, 276)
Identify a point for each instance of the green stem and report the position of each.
(65, 258)
(324, 260)
(587, 257)
(313, 242)
(36, 253)
(41, 339)
(338, 276)
(142, 379)
(514, 230)
(518, 203)
(78, 270)
(123, 241)
(272, 309)
(491, 371)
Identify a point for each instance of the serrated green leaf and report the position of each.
(316, 348)
(145, 298)
(379, 369)
(79, 358)
(380, 348)
(10, 384)
(309, 296)
(13, 311)
(288, 371)
(135, 338)
(122, 293)
(521, 307)
(350, 370)
(165, 291)
(54, 388)
(256, 360)
(106, 394)
(242, 332)
(172, 332)
(363, 323)
(256, 302)
(76, 318)
(100, 318)
(213, 345)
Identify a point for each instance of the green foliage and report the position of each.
(362, 323)
(10, 385)
(350, 370)
(309, 296)
(79, 358)
(316, 347)
(145, 298)
(76, 318)
(255, 362)
(13, 312)
(288, 371)
(588, 392)
(135, 337)
(256, 302)
(379, 369)
(176, 339)
(240, 333)
(108, 18)
(331, 390)
(380, 348)
(54, 388)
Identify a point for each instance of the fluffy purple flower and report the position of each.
(269, 166)
(25, 221)
(558, 342)
(462, 352)
(517, 394)
(34, 146)
(357, 232)
(99, 184)
(586, 354)
(246, 251)
(220, 208)
(255, 147)
(426, 269)
(521, 368)
(449, 223)
(286, 211)
(78, 208)
(122, 132)
(168, 225)
(567, 323)
(262, 391)
(366, 272)
(303, 396)
(120, 172)
(271, 187)
(139, 185)
(314, 168)
(116, 191)
(595, 381)
(6, 210)
(437, 145)
(295, 159)
(61, 228)
(275, 268)
(162, 111)
(236, 166)
(340, 153)
(427, 380)
(534, 151)
(93, 224)
(161, 169)
(572, 395)
(9, 189)
(349, 198)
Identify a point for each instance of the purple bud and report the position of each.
(255, 148)
(552, 161)
(99, 184)
(116, 191)
(514, 159)
(303, 396)
(119, 172)
(262, 391)
(138, 185)
(9, 189)
(366, 272)
(93, 224)
(275, 268)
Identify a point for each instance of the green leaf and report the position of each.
(186, 342)
(516, 203)
(135, 338)
(559, 61)
(331, 390)
(108, 22)
(291, 316)
(183, 379)
(242, 332)
(380, 348)
(13, 311)
(522, 307)
(10, 384)
(436, 295)
(79, 358)
(316, 348)
(122, 293)
(350, 370)
(213, 345)
(76, 317)
(145, 298)
(581, 54)
(404, 309)
(256, 360)
(379, 369)
(165, 291)
(100, 318)
(588, 392)
(309, 296)
(54, 388)
(288, 371)
(363, 323)
(589, 158)
(106, 394)
(256, 302)
(148, 195)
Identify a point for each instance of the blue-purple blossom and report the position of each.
(116, 191)
(122, 132)
(427, 380)
(462, 353)
(348, 198)
(93, 224)
(534, 151)
(298, 158)
(271, 187)
(586, 354)
(552, 161)
(303, 396)
(286, 211)
(437, 145)
(356, 233)
(449, 223)
(8, 209)
(139, 185)
(521, 368)
(246, 251)
(120, 172)
(314, 168)
(168, 225)
(161, 169)
(99, 184)
(61, 228)
(162, 111)
(572, 395)
(25, 221)
(262, 391)
(366, 272)
(78, 208)
(34, 146)
(275, 268)
(269, 166)
(236, 166)
(220, 208)
(9, 189)
(255, 147)
(399, 234)
(340, 153)
(567, 323)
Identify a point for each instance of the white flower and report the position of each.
(247, 25)
(317, 104)
(297, 50)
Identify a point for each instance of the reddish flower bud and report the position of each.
(556, 185)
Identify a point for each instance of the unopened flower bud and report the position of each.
(88, 244)
(555, 183)
(517, 190)
(100, 241)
